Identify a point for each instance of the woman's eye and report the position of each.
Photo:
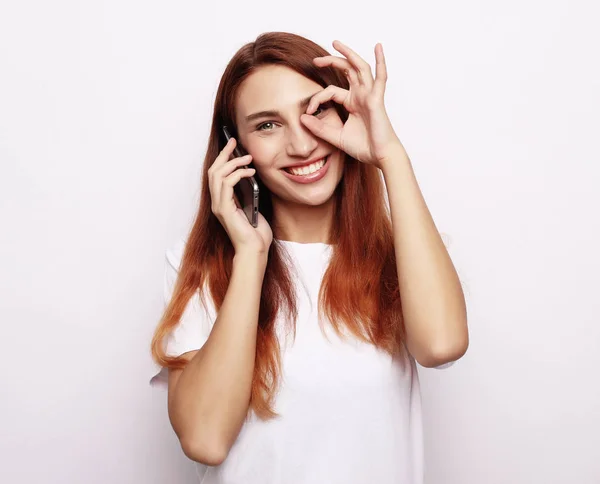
(321, 108)
(269, 125)
(261, 126)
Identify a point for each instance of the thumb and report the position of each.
(322, 130)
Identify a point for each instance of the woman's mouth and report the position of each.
(308, 173)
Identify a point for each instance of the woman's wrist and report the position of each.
(248, 259)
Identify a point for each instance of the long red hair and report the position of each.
(360, 290)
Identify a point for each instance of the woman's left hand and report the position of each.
(367, 134)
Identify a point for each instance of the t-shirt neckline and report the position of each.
(304, 245)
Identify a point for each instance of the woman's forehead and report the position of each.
(273, 88)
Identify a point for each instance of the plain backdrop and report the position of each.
(104, 115)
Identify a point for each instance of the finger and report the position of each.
(224, 155)
(214, 189)
(335, 93)
(232, 165)
(214, 183)
(362, 67)
(323, 130)
(380, 70)
(339, 63)
(230, 181)
(222, 171)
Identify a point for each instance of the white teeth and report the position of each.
(307, 170)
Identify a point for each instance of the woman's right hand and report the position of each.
(223, 175)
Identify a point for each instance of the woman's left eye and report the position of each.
(322, 107)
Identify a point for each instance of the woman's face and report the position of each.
(295, 165)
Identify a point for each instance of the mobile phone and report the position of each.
(246, 190)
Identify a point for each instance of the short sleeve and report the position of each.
(439, 367)
(195, 323)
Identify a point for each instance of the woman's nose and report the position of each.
(301, 142)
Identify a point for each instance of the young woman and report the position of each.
(291, 347)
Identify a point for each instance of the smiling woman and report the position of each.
(301, 367)
(288, 158)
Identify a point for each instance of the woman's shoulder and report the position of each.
(174, 252)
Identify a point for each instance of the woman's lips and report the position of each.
(311, 178)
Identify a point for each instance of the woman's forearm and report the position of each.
(433, 304)
(212, 394)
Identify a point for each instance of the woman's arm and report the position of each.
(209, 399)
(432, 299)
(433, 303)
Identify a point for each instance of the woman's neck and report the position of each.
(303, 223)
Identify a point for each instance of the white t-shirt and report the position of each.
(349, 413)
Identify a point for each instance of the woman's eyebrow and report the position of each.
(273, 113)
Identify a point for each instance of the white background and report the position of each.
(104, 116)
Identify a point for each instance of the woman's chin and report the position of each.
(312, 198)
